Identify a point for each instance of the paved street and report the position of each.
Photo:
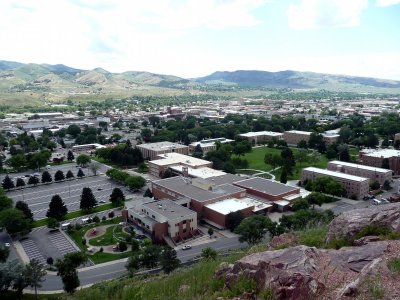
(39, 197)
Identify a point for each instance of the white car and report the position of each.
(186, 247)
(7, 245)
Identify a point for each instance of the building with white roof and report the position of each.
(208, 145)
(153, 150)
(376, 158)
(204, 172)
(378, 174)
(261, 136)
(355, 186)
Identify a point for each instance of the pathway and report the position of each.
(260, 172)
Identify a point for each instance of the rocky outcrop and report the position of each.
(348, 224)
(302, 272)
(366, 239)
(283, 241)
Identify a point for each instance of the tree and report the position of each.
(122, 246)
(74, 130)
(210, 231)
(59, 175)
(234, 219)
(20, 182)
(80, 173)
(300, 204)
(22, 206)
(343, 152)
(52, 223)
(4, 253)
(209, 254)
(38, 160)
(117, 197)
(301, 156)
(283, 178)
(133, 264)
(315, 198)
(66, 269)
(33, 180)
(5, 202)
(288, 160)
(273, 160)
(17, 161)
(35, 274)
(94, 167)
(135, 182)
(83, 160)
(253, 229)
(7, 183)
(374, 185)
(169, 260)
(69, 174)
(198, 151)
(46, 177)
(150, 256)
(70, 155)
(57, 208)
(148, 193)
(302, 144)
(14, 221)
(88, 200)
(19, 281)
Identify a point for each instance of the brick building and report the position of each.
(378, 174)
(375, 158)
(167, 160)
(151, 151)
(261, 136)
(293, 137)
(163, 219)
(208, 145)
(355, 186)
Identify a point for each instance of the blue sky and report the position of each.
(191, 38)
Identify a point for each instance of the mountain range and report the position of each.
(54, 82)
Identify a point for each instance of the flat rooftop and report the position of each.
(358, 166)
(211, 142)
(168, 209)
(260, 133)
(161, 146)
(230, 205)
(335, 174)
(183, 186)
(266, 186)
(204, 172)
(226, 178)
(299, 132)
(177, 158)
(384, 153)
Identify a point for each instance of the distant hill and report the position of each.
(293, 79)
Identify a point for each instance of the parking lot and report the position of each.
(39, 197)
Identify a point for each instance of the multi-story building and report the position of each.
(261, 136)
(208, 145)
(293, 137)
(158, 166)
(162, 219)
(378, 174)
(355, 186)
(375, 158)
(331, 136)
(153, 150)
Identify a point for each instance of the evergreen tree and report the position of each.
(69, 174)
(20, 182)
(70, 156)
(46, 177)
(57, 208)
(283, 178)
(7, 183)
(22, 206)
(59, 175)
(33, 180)
(88, 200)
(169, 260)
(80, 173)
(117, 197)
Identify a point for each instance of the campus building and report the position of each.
(355, 186)
(208, 145)
(331, 136)
(87, 147)
(293, 137)
(261, 136)
(162, 219)
(153, 150)
(375, 158)
(378, 174)
(158, 166)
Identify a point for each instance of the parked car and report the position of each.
(102, 201)
(186, 247)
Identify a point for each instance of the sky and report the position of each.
(193, 38)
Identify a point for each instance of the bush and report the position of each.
(50, 261)
(96, 219)
(394, 265)
(78, 226)
(104, 218)
(372, 229)
(101, 249)
(84, 242)
(122, 246)
(111, 214)
(312, 237)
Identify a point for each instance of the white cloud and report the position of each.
(325, 13)
(384, 3)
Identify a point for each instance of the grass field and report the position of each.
(256, 161)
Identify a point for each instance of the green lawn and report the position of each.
(108, 238)
(256, 161)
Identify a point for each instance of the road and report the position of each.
(115, 269)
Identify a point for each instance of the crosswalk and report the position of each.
(33, 251)
(61, 243)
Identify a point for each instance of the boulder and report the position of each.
(348, 224)
(283, 241)
(366, 239)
